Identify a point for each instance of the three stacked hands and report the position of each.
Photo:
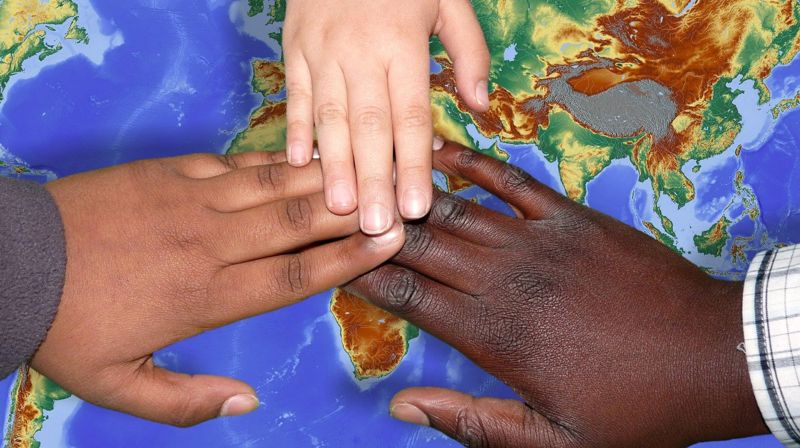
(609, 338)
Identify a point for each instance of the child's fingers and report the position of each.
(333, 139)
(371, 139)
(462, 36)
(299, 112)
(409, 87)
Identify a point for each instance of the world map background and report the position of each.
(172, 77)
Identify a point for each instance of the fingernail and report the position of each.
(239, 405)
(375, 219)
(415, 203)
(297, 155)
(389, 237)
(341, 196)
(410, 414)
(482, 93)
(315, 155)
(438, 143)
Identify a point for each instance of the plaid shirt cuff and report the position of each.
(771, 317)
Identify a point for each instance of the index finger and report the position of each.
(507, 182)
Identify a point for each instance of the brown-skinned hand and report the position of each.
(608, 337)
(161, 250)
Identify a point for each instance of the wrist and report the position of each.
(726, 404)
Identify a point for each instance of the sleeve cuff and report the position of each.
(771, 318)
(32, 266)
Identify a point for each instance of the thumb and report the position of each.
(462, 37)
(478, 421)
(181, 400)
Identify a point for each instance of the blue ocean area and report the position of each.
(716, 189)
(529, 158)
(784, 81)
(171, 88)
(641, 202)
(745, 227)
(610, 191)
(5, 385)
(753, 442)
(289, 357)
(773, 171)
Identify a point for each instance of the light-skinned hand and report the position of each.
(359, 73)
(161, 250)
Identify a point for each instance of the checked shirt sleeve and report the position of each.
(771, 317)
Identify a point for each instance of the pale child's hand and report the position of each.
(358, 71)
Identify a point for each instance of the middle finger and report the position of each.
(371, 138)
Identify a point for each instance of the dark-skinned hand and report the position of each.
(609, 338)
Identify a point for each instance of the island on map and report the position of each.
(785, 105)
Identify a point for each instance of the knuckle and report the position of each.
(418, 242)
(450, 211)
(469, 429)
(514, 179)
(477, 56)
(180, 419)
(330, 114)
(228, 161)
(298, 215)
(185, 414)
(298, 124)
(273, 156)
(526, 284)
(416, 170)
(296, 91)
(482, 56)
(503, 333)
(403, 292)
(371, 119)
(335, 170)
(415, 117)
(467, 158)
(271, 177)
(373, 181)
(294, 276)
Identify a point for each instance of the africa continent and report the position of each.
(589, 82)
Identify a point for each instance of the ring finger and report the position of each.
(371, 138)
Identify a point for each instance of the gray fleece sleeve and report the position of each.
(32, 266)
